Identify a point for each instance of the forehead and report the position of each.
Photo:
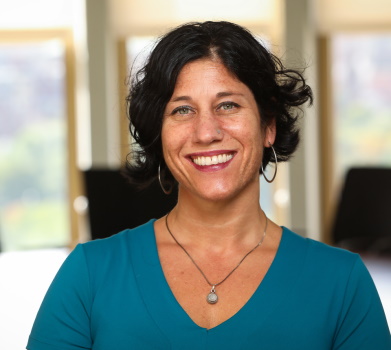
(205, 66)
(209, 73)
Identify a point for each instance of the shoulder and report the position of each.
(111, 259)
(319, 261)
(102, 256)
(336, 283)
(323, 267)
(119, 241)
(319, 252)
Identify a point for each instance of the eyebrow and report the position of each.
(228, 93)
(218, 95)
(181, 98)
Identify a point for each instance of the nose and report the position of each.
(207, 129)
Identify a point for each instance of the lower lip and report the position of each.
(212, 167)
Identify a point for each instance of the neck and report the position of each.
(217, 225)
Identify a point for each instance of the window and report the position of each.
(356, 108)
(34, 152)
(361, 80)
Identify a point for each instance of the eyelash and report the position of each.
(228, 103)
(176, 110)
(220, 106)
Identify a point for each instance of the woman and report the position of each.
(209, 111)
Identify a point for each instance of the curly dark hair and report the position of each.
(279, 92)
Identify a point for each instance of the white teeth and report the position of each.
(221, 158)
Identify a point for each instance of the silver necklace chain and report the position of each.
(212, 296)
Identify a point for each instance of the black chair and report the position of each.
(114, 205)
(363, 217)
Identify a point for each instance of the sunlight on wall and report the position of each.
(35, 14)
(332, 15)
(138, 15)
(253, 11)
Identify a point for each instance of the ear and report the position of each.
(270, 134)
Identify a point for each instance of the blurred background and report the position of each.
(64, 65)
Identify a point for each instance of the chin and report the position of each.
(218, 194)
(215, 191)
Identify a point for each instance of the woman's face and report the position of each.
(212, 138)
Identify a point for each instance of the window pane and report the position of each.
(33, 154)
(362, 101)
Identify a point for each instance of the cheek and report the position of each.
(251, 137)
(166, 144)
(173, 139)
(166, 147)
(247, 132)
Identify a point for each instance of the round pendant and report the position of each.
(212, 298)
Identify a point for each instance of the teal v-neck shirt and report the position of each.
(111, 294)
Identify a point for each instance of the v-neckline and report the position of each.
(170, 315)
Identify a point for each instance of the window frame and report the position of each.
(331, 186)
(73, 174)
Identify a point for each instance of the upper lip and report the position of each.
(209, 153)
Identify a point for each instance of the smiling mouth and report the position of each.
(218, 159)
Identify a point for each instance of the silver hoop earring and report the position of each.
(275, 168)
(160, 182)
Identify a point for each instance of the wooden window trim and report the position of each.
(74, 177)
